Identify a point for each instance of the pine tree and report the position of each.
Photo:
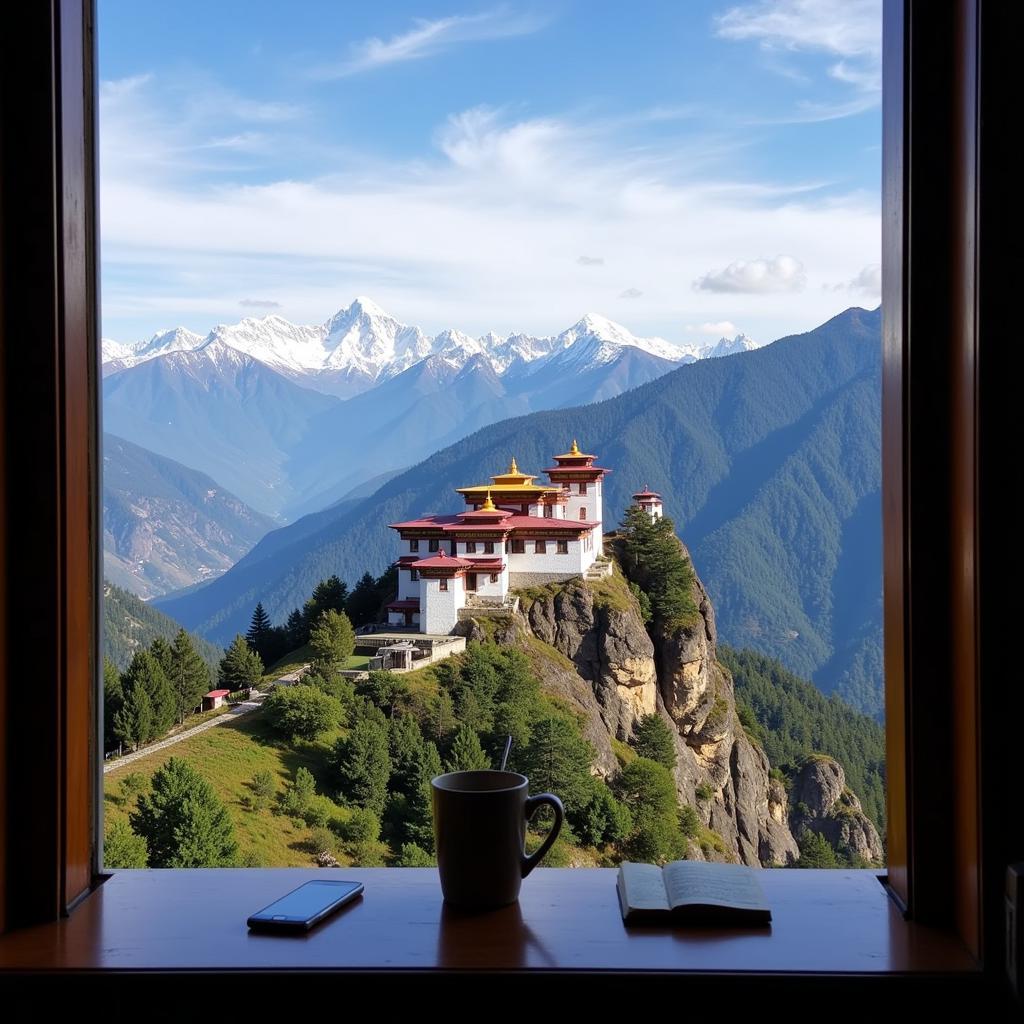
(557, 760)
(364, 601)
(113, 699)
(240, 668)
(183, 822)
(188, 674)
(328, 595)
(146, 671)
(333, 640)
(363, 764)
(442, 716)
(259, 627)
(133, 721)
(405, 746)
(419, 817)
(653, 739)
(466, 754)
(816, 851)
(649, 792)
(298, 630)
(161, 650)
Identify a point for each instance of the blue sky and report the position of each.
(687, 169)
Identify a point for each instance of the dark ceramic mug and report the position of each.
(480, 833)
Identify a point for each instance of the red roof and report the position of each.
(453, 524)
(442, 561)
(647, 494)
(218, 693)
(487, 564)
(576, 469)
(408, 604)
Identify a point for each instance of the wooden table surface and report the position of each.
(566, 920)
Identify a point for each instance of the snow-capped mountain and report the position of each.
(361, 346)
(729, 347)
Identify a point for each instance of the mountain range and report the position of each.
(166, 526)
(292, 418)
(769, 464)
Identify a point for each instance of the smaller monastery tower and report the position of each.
(650, 502)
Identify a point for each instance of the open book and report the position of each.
(691, 892)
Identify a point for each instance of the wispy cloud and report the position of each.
(718, 328)
(260, 304)
(781, 274)
(428, 38)
(867, 283)
(848, 30)
(508, 214)
(630, 293)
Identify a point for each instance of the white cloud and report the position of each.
(260, 304)
(781, 274)
(428, 38)
(631, 293)
(590, 261)
(850, 30)
(868, 282)
(717, 329)
(485, 233)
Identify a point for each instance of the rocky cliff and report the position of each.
(821, 801)
(588, 643)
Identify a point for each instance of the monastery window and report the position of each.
(442, 585)
(518, 547)
(563, 547)
(414, 545)
(488, 547)
(548, 511)
(414, 575)
(470, 547)
(583, 512)
(583, 488)
(494, 577)
(539, 547)
(431, 545)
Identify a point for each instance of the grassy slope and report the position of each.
(228, 757)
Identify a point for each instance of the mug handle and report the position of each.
(532, 803)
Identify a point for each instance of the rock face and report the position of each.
(822, 803)
(607, 643)
(599, 630)
(588, 644)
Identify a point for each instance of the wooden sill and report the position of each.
(826, 923)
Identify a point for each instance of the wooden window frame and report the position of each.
(947, 397)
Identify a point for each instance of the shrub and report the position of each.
(132, 785)
(297, 794)
(412, 856)
(689, 821)
(704, 792)
(122, 848)
(302, 711)
(362, 826)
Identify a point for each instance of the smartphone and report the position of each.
(306, 906)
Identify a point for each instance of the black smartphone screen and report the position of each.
(303, 907)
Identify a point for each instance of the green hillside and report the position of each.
(130, 624)
(791, 719)
(768, 461)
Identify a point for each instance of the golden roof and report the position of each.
(488, 505)
(513, 480)
(575, 453)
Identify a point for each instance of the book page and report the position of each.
(719, 885)
(644, 886)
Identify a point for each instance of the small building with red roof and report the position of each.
(214, 699)
(650, 502)
(513, 532)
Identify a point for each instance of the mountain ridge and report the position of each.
(804, 409)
